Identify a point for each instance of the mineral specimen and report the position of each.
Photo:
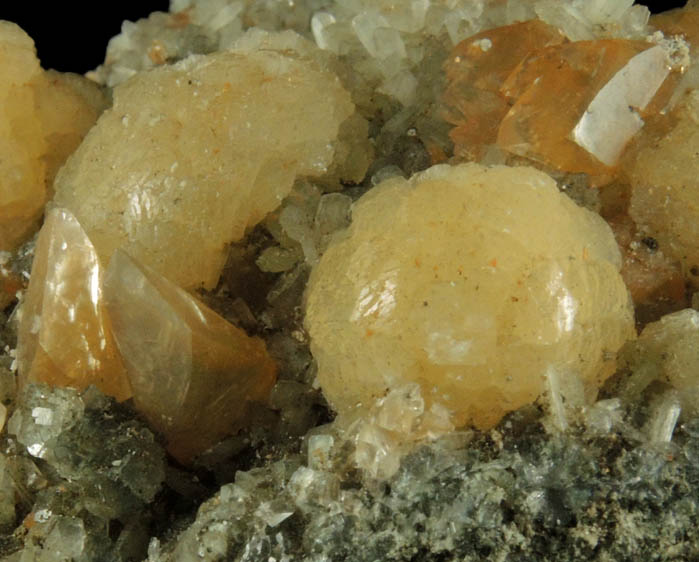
(44, 117)
(443, 280)
(456, 297)
(192, 373)
(65, 335)
(214, 143)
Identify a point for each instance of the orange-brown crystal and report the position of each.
(551, 92)
(568, 106)
(476, 70)
(64, 336)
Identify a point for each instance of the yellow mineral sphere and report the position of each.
(473, 282)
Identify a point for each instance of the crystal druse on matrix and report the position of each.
(354, 280)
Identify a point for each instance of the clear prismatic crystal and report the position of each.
(472, 282)
(192, 154)
(43, 118)
(193, 373)
(64, 335)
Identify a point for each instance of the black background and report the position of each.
(71, 37)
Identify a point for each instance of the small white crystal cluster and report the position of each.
(584, 20)
(385, 41)
(195, 27)
(303, 226)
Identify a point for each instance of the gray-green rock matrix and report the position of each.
(82, 471)
(514, 494)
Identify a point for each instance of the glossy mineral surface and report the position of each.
(193, 154)
(192, 372)
(65, 336)
(442, 280)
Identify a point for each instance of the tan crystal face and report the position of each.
(472, 282)
(193, 373)
(193, 154)
(64, 335)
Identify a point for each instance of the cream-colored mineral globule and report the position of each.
(192, 154)
(43, 117)
(64, 335)
(192, 372)
(472, 282)
(665, 179)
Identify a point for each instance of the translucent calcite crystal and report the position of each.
(476, 70)
(192, 372)
(472, 282)
(665, 178)
(570, 106)
(192, 154)
(64, 335)
(576, 106)
(43, 117)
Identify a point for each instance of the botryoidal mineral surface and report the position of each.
(353, 280)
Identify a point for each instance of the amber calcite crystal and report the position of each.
(64, 335)
(193, 373)
(43, 118)
(681, 21)
(568, 106)
(473, 282)
(476, 70)
(192, 154)
(577, 105)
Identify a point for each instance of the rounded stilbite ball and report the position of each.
(473, 282)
